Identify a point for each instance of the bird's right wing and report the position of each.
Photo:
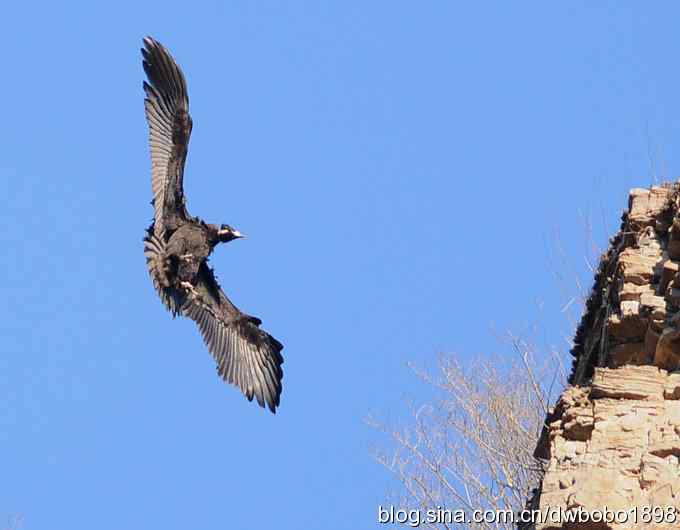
(167, 113)
(246, 355)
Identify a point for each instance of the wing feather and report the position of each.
(246, 355)
(167, 113)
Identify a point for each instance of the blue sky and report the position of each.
(402, 170)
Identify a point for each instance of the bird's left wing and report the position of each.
(167, 112)
(246, 355)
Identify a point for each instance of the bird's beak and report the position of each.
(234, 233)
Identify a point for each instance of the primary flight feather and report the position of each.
(177, 245)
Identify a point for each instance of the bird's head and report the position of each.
(226, 233)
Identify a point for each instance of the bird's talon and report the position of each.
(189, 287)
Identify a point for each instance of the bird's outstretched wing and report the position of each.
(246, 355)
(167, 112)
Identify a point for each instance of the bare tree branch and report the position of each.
(472, 449)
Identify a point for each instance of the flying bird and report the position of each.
(177, 245)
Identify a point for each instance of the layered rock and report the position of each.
(616, 444)
(636, 286)
(613, 438)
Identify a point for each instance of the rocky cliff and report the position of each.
(612, 442)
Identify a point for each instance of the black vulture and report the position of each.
(177, 245)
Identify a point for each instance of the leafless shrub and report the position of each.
(14, 522)
(472, 448)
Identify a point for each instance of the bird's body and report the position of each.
(177, 245)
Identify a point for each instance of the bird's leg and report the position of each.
(190, 288)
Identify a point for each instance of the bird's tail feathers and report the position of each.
(154, 252)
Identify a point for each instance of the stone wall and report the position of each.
(616, 444)
(635, 287)
(613, 438)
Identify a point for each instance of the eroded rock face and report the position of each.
(616, 445)
(637, 291)
(613, 438)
